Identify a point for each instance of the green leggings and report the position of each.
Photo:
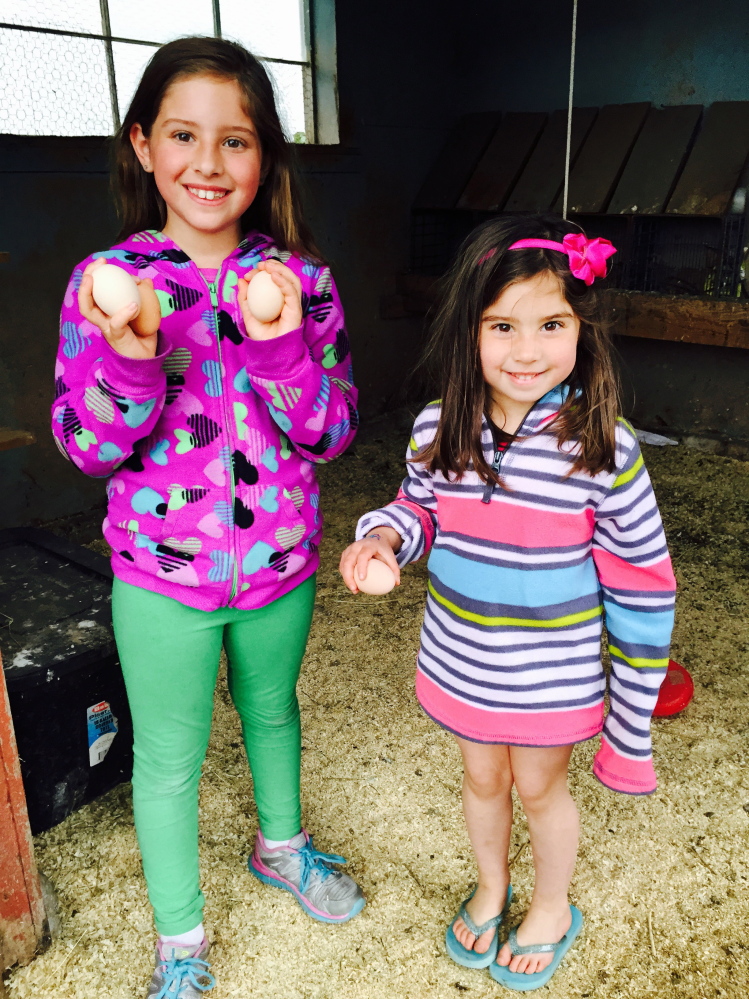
(170, 655)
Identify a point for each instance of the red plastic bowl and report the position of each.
(676, 691)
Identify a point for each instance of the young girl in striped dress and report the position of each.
(530, 494)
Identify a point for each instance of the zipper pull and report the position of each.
(489, 487)
(212, 293)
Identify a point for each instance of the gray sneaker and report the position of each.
(181, 972)
(324, 893)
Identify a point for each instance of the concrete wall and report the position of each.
(688, 390)
(666, 52)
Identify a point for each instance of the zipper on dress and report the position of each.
(489, 487)
(233, 485)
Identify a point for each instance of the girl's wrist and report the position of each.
(385, 535)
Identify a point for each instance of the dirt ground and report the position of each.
(661, 880)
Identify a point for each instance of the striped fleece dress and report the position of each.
(519, 587)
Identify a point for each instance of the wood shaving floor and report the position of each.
(662, 880)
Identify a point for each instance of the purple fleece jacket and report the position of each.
(209, 447)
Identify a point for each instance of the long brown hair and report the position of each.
(482, 270)
(276, 210)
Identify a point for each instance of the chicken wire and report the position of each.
(670, 255)
(53, 85)
(54, 73)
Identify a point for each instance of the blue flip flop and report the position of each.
(527, 983)
(471, 958)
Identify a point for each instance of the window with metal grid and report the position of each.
(70, 67)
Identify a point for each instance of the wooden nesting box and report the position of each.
(666, 185)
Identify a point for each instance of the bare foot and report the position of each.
(539, 926)
(484, 905)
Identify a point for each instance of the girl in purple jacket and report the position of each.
(207, 425)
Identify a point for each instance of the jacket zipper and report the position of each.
(233, 485)
(496, 463)
(499, 455)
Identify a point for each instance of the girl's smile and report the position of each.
(528, 345)
(206, 159)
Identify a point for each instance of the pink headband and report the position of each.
(587, 256)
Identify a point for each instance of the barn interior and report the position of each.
(446, 115)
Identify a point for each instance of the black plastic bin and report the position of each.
(65, 686)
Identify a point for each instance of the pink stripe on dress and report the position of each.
(615, 572)
(512, 524)
(519, 728)
(621, 773)
(427, 524)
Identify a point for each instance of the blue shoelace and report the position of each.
(181, 972)
(315, 860)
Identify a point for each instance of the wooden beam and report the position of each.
(15, 438)
(22, 917)
(505, 156)
(656, 160)
(543, 177)
(715, 164)
(601, 160)
(712, 321)
(715, 322)
(454, 167)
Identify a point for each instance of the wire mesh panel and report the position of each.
(70, 67)
(437, 235)
(271, 30)
(64, 15)
(675, 256)
(663, 254)
(53, 85)
(129, 63)
(161, 21)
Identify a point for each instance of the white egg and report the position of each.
(264, 298)
(114, 289)
(380, 579)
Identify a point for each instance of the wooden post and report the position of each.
(22, 917)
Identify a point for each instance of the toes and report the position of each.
(464, 935)
(483, 943)
(504, 956)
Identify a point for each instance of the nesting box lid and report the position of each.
(55, 607)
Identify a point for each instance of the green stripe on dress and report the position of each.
(516, 622)
(625, 477)
(636, 662)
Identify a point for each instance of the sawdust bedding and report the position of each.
(662, 880)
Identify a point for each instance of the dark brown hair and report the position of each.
(483, 268)
(276, 210)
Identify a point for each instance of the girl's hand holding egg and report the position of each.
(369, 566)
(270, 298)
(124, 308)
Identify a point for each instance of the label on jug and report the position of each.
(102, 728)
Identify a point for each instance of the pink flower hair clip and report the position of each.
(587, 256)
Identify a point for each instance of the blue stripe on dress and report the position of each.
(515, 589)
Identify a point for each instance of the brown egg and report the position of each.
(148, 319)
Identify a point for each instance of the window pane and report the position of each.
(70, 15)
(53, 85)
(129, 63)
(289, 87)
(270, 28)
(160, 20)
